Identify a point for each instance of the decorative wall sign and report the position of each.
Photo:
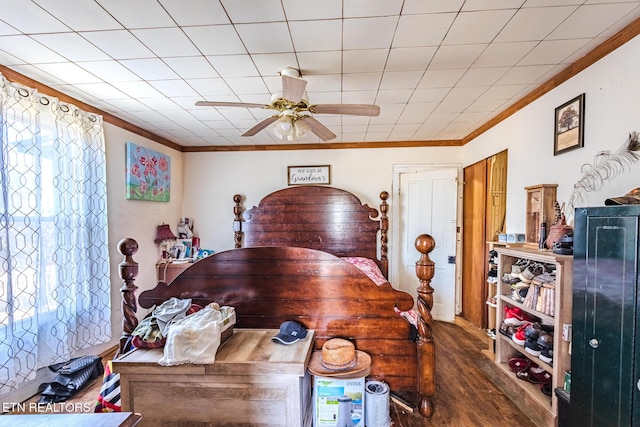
(569, 126)
(148, 174)
(309, 175)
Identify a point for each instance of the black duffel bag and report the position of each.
(72, 376)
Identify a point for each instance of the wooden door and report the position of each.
(473, 244)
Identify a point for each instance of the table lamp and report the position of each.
(164, 238)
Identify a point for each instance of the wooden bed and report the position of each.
(289, 264)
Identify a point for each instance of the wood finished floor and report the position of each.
(464, 397)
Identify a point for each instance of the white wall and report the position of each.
(135, 218)
(211, 180)
(611, 88)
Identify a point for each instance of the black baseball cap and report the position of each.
(290, 332)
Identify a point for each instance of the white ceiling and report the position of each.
(438, 69)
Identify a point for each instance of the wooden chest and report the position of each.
(253, 381)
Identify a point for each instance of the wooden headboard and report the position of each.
(316, 217)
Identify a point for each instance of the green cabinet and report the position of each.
(605, 360)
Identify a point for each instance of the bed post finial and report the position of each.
(426, 347)
(237, 221)
(128, 270)
(384, 227)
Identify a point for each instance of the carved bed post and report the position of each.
(384, 227)
(237, 221)
(128, 273)
(426, 347)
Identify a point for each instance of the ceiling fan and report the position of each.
(292, 107)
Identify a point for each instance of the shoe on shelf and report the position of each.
(535, 374)
(507, 330)
(519, 337)
(545, 341)
(531, 333)
(515, 316)
(517, 364)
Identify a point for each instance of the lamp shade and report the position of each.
(164, 233)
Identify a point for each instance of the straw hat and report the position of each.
(340, 359)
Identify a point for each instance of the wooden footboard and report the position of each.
(268, 285)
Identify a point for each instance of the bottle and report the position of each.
(543, 236)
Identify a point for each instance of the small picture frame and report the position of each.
(569, 126)
(309, 175)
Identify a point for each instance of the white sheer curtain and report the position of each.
(54, 262)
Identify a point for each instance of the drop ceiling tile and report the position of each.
(441, 78)
(192, 67)
(71, 46)
(395, 96)
(502, 92)
(485, 106)
(545, 3)
(37, 74)
(482, 76)
(29, 18)
(477, 27)
(429, 95)
(7, 30)
(504, 54)
(359, 97)
(109, 71)
(199, 12)
(233, 65)
(410, 58)
(80, 16)
(491, 4)
(166, 41)
(325, 97)
(246, 85)
(150, 69)
(119, 44)
(137, 90)
(361, 81)
(400, 79)
(453, 106)
(454, 57)
(138, 13)
(173, 88)
(324, 82)
(534, 24)
(362, 8)
(270, 64)
(417, 112)
(320, 62)
(69, 73)
(216, 39)
(9, 60)
(102, 91)
(128, 104)
(411, 29)
(326, 9)
(28, 50)
(313, 36)
(591, 20)
(524, 74)
(272, 37)
(412, 7)
(552, 51)
(242, 11)
(469, 93)
(362, 61)
(160, 104)
(212, 87)
(369, 33)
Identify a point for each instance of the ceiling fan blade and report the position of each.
(318, 128)
(229, 104)
(293, 88)
(261, 125)
(350, 109)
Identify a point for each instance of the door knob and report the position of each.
(594, 343)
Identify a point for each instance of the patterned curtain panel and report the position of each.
(54, 262)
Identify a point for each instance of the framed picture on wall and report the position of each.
(309, 175)
(148, 174)
(569, 126)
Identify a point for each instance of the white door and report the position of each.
(428, 204)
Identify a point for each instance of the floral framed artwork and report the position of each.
(148, 174)
(569, 126)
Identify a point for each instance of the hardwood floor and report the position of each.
(464, 396)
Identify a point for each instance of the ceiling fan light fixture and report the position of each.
(291, 72)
